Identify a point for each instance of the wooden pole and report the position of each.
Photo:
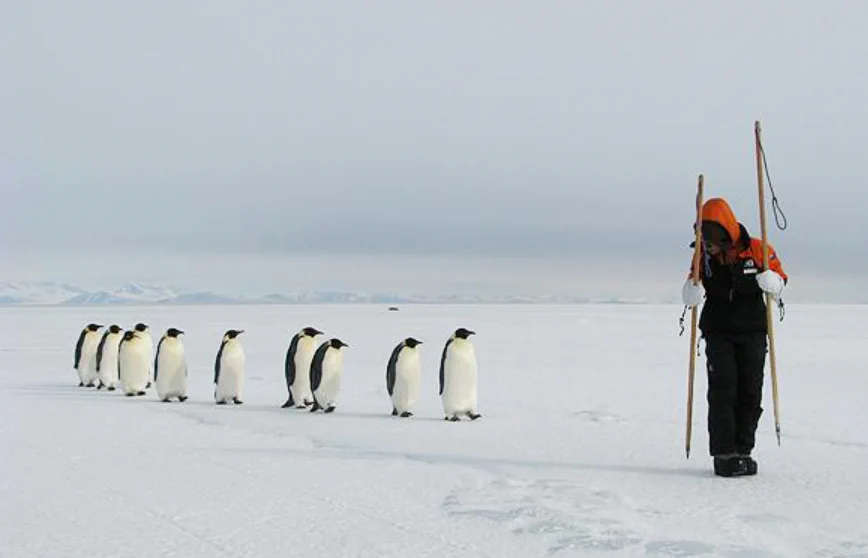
(694, 275)
(769, 298)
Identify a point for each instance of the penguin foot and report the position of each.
(99, 387)
(452, 419)
(182, 398)
(221, 402)
(394, 412)
(80, 384)
(237, 401)
(406, 414)
(140, 393)
(111, 388)
(129, 394)
(330, 409)
(308, 403)
(148, 386)
(474, 416)
(315, 407)
(166, 400)
(89, 385)
(289, 403)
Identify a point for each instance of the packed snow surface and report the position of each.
(579, 451)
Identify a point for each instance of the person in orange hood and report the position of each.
(733, 325)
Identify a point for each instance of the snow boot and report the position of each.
(750, 463)
(730, 466)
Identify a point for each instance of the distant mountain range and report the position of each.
(51, 293)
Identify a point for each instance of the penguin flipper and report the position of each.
(217, 362)
(316, 367)
(443, 364)
(78, 347)
(99, 349)
(289, 363)
(157, 358)
(391, 368)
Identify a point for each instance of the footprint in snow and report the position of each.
(844, 549)
(678, 548)
(598, 416)
(567, 516)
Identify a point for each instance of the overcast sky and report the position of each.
(569, 132)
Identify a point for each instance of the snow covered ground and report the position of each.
(579, 451)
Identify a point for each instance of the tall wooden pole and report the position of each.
(694, 275)
(769, 298)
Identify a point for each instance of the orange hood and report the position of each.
(718, 211)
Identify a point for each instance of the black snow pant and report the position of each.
(735, 365)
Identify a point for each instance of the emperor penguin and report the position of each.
(133, 364)
(107, 358)
(458, 376)
(229, 369)
(326, 369)
(297, 368)
(170, 367)
(403, 376)
(85, 350)
(145, 333)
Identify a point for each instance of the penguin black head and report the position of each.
(141, 327)
(337, 343)
(311, 331)
(129, 335)
(93, 327)
(172, 332)
(411, 342)
(233, 333)
(114, 329)
(462, 333)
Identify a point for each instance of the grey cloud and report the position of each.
(565, 129)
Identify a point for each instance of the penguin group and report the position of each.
(114, 358)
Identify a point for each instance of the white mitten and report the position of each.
(771, 282)
(691, 294)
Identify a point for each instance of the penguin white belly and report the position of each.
(133, 366)
(459, 386)
(408, 375)
(230, 383)
(332, 365)
(87, 364)
(171, 370)
(108, 366)
(301, 386)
